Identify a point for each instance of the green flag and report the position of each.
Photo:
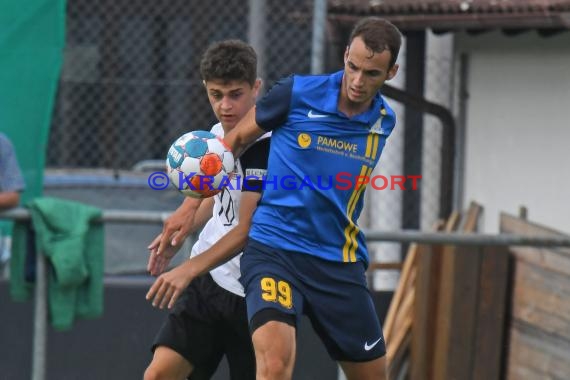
(32, 39)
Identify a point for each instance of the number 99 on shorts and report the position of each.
(276, 291)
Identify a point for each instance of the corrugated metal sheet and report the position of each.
(450, 6)
(459, 14)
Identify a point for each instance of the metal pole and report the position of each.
(40, 319)
(256, 33)
(319, 33)
(410, 236)
(109, 216)
(459, 161)
(402, 236)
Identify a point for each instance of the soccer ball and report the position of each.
(199, 165)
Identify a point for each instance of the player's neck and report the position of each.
(226, 129)
(350, 108)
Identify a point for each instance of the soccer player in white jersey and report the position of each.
(208, 318)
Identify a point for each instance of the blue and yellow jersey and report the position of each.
(312, 200)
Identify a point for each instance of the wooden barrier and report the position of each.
(539, 319)
(446, 319)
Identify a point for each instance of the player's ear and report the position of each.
(257, 86)
(346, 54)
(392, 72)
(204, 82)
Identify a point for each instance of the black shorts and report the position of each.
(207, 322)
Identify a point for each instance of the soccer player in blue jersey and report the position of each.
(306, 253)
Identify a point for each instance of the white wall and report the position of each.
(518, 126)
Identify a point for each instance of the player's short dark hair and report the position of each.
(229, 60)
(378, 35)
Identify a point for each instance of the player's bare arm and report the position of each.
(9, 199)
(191, 215)
(168, 287)
(244, 133)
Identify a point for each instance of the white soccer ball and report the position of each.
(199, 165)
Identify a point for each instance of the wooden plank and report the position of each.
(433, 306)
(405, 310)
(444, 314)
(535, 355)
(539, 344)
(406, 306)
(397, 362)
(401, 361)
(405, 293)
(514, 225)
(400, 291)
(472, 217)
(453, 222)
(491, 310)
(552, 259)
(457, 301)
(420, 346)
(378, 266)
(399, 338)
(541, 299)
(433, 295)
(463, 312)
(555, 259)
(463, 322)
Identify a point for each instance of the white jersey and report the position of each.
(225, 217)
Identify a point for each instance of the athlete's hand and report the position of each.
(169, 286)
(158, 263)
(175, 230)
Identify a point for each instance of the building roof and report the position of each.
(454, 15)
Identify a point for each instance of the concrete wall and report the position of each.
(518, 126)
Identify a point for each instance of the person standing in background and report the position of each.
(11, 186)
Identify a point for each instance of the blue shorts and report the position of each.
(332, 294)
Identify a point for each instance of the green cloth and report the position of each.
(75, 249)
(32, 42)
